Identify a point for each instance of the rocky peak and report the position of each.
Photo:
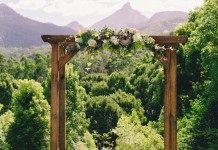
(127, 6)
(6, 11)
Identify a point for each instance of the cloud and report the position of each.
(86, 7)
(28, 4)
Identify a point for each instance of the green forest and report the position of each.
(115, 102)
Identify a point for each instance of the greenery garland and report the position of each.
(122, 41)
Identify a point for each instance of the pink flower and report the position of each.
(133, 30)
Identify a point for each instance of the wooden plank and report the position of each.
(62, 105)
(170, 39)
(167, 102)
(54, 98)
(57, 38)
(173, 101)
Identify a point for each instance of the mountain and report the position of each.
(124, 17)
(161, 23)
(164, 22)
(76, 26)
(19, 31)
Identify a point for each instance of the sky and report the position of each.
(88, 12)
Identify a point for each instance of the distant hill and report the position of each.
(76, 26)
(19, 31)
(164, 22)
(161, 23)
(124, 17)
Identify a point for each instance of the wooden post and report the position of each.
(54, 98)
(62, 105)
(170, 101)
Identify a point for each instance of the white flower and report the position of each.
(92, 43)
(137, 37)
(78, 40)
(114, 40)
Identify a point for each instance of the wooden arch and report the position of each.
(58, 86)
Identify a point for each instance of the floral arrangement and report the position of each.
(122, 41)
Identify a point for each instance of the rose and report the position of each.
(92, 43)
(133, 30)
(125, 42)
(78, 40)
(114, 40)
(137, 37)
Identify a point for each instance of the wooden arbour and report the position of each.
(58, 87)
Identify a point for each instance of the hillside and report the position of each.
(19, 31)
(76, 26)
(159, 24)
(164, 22)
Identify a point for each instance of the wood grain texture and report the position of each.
(62, 104)
(54, 99)
(170, 101)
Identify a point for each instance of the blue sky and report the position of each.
(88, 12)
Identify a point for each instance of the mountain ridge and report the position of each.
(164, 22)
(124, 17)
(19, 31)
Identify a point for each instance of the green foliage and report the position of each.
(5, 120)
(92, 82)
(28, 68)
(15, 52)
(76, 119)
(100, 88)
(6, 89)
(132, 135)
(128, 103)
(89, 140)
(117, 81)
(30, 129)
(41, 70)
(147, 85)
(103, 113)
(198, 128)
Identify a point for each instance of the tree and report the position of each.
(14, 68)
(117, 81)
(76, 118)
(2, 64)
(30, 129)
(104, 112)
(147, 85)
(6, 89)
(41, 70)
(201, 55)
(132, 135)
(93, 79)
(29, 67)
(100, 88)
(5, 121)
